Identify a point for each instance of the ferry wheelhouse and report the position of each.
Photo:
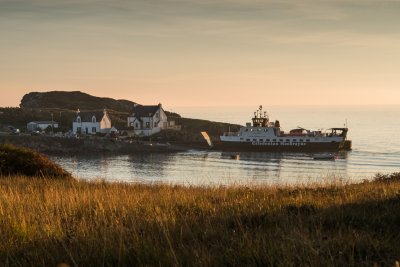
(264, 135)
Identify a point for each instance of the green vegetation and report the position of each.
(22, 161)
(191, 131)
(45, 222)
(19, 117)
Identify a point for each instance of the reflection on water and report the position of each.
(216, 168)
(373, 129)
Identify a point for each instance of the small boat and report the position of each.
(324, 157)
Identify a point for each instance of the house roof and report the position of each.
(145, 111)
(87, 116)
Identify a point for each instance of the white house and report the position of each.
(41, 125)
(91, 123)
(148, 120)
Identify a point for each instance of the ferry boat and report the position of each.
(265, 136)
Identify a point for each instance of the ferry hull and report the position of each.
(275, 147)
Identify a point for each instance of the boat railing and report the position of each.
(315, 134)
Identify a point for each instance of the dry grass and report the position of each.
(45, 222)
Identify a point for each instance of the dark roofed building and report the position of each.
(91, 122)
(148, 120)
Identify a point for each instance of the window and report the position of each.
(267, 140)
(248, 140)
(157, 115)
(261, 140)
(137, 125)
(255, 140)
(280, 140)
(247, 130)
(301, 140)
(155, 124)
(294, 140)
(147, 124)
(273, 140)
(79, 130)
(265, 130)
(94, 129)
(287, 140)
(94, 119)
(307, 140)
(79, 120)
(241, 138)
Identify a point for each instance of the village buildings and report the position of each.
(41, 125)
(148, 120)
(142, 121)
(91, 123)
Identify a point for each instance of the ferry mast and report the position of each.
(260, 119)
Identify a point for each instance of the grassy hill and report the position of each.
(73, 101)
(46, 222)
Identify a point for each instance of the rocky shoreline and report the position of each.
(83, 146)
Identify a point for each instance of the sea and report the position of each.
(374, 131)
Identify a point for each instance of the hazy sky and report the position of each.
(203, 52)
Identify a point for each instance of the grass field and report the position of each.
(46, 222)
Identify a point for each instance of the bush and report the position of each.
(22, 161)
(379, 177)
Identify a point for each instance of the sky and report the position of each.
(203, 52)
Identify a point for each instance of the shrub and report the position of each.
(379, 177)
(22, 161)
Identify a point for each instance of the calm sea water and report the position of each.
(374, 130)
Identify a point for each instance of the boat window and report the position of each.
(261, 140)
(301, 140)
(287, 140)
(307, 140)
(267, 140)
(247, 130)
(259, 129)
(265, 130)
(241, 138)
(294, 140)
(255, 140)
(248, 140)
(280, 140)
